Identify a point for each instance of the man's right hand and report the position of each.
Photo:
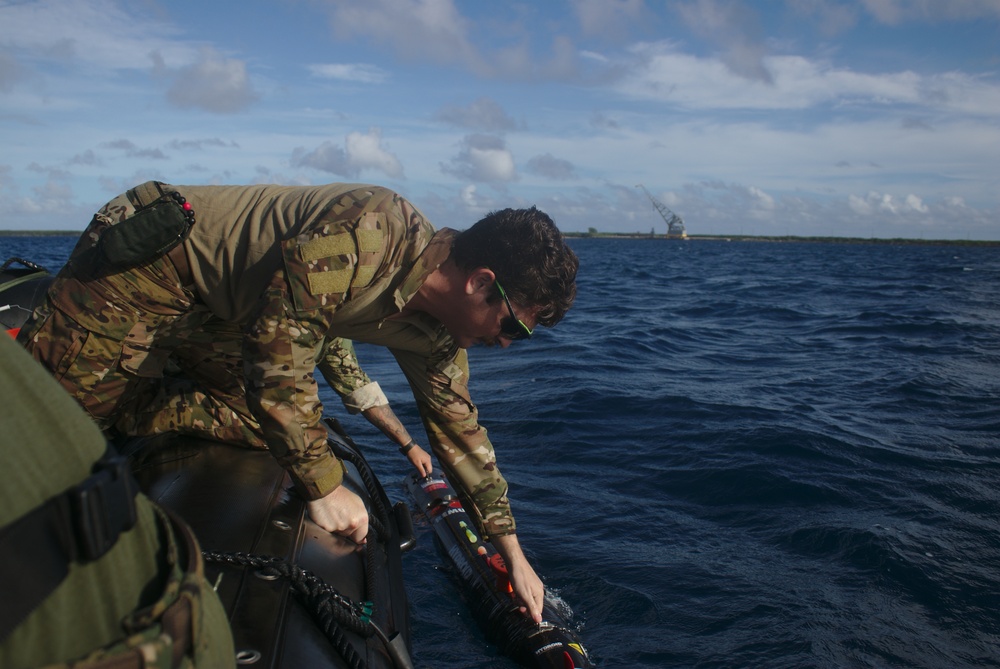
(341, 512)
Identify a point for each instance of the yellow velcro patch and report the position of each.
(336, 281)
(326, 483)
(325, 247)
(365, 274)
(369, 241)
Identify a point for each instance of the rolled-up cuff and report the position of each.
(492, 518)
(364, 398)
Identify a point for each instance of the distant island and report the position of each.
(40, 233)
(782, 238)
(645, 235)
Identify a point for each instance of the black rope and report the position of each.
(332, 611)
(26, 263)
(380, 519)
(371, 584)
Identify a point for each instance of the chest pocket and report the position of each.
(323, 266)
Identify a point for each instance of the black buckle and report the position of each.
(103, 506)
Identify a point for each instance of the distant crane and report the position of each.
(675, 225)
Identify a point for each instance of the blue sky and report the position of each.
(870, 118)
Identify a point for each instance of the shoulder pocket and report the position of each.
(144, 236)
(319, 268)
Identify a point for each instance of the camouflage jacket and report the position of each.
(296, 265)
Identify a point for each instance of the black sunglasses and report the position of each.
(511, 326)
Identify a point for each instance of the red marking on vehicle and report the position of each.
(434, 485)
(499, 568)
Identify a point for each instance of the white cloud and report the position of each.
(214, 83)
(668, 75)
(893, 12)
(360, 152)
(761, 199)
(89, 32)
(874, 203)
(366, 152)
(359, 72)
(436, 31)
(327, 157)
(425, 29)
(604, 18)
(50, 197)
(734, 27)
(469, 196)
(914, 203)
(482, 158)
(831, 17)
(549, 166)
(859, 205)
(484, 114)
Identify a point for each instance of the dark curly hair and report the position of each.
(529, 256)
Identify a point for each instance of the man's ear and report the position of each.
(481, 278)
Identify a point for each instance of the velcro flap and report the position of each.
(369, 240)
(327, 246)
(365, 275)
(334, 281)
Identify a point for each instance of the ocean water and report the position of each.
(740, 455)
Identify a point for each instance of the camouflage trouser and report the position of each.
(102, 331)
(203, 392)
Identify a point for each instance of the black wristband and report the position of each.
(405, 448)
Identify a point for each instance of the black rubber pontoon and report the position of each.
(296, 595)
(22, 286)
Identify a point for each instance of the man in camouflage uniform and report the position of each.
(291, 266)
(143, 602)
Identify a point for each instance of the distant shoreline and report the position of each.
(783, 238)
(40, 233)
(637, 235)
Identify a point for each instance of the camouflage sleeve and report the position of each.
(339, 365)
(441, 389)
(279, 351)
(339, 251)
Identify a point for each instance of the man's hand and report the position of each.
(527, 586)
(421, 460)
(341, 512)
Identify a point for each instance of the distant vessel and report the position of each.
(675, 224)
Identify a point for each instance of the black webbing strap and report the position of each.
(79, 525)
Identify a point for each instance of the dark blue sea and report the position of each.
(740, 455)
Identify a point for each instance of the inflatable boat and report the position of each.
(296, 595)
(22, 286)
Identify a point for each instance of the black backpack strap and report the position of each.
(78, 525)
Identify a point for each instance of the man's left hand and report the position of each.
(528, 588)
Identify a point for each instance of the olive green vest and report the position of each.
(115, 606)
